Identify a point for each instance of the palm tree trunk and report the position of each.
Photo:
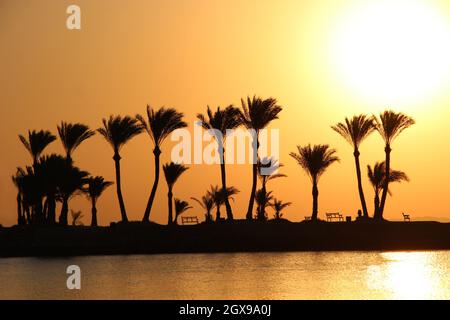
(64, 211)
(51, 209)
(376, 204)
(217, 213)
(45, 210)
(94, 213)
(315, 194)
(262, 207)
(224, 186)
(254, 176)
(360, 187)
(169, 202)
(38, 214)
(123, 212)
(148, 209)
(387, 150)
(253, 192)
(20, 219)
(28, 215)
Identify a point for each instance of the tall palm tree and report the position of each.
(257, 114)
(172, 171)
(377, 176)
(36, 143)
(117, 131)
(94, 189)
(355, 130)
(72, 135)
(315, 160)
(219, 195)
(278, 206)
(207, 203)
(389, 125)
(221, 121)
(72, 183)
(180, 207)
(160, 124)
(267, 168)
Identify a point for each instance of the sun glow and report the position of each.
(394, 51)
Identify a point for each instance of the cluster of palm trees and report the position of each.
(54, 178)
(316, 159)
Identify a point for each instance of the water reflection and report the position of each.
(409, 275)
(294, 275)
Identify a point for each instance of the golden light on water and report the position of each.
(394, 52)
(406, 275)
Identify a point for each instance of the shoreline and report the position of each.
(238, 236)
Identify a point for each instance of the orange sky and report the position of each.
(190, 53)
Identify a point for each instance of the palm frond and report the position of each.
(206, 202)
(356, 129)
(161, 123)
(390, 124)
(118, 130)
(172, 171)
(181, 206)
(96, 186)
(37, 141)
(72, 135)
(315, 159)
(257, 113)
(377, 176)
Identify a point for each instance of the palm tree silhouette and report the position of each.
(355, 130)
(256, 115)
(53, 170)
(278, 206)
(94, 189)
(262, 199)
(207, 203)
(389, 125)
(117, 131)
(36, 143)
(72, 135)
(221, 121)
(31, 194)
(219, 195)
(180, 207)
(267, 168)
(72, 182)
(376, 178)
(172, 171)
(160, 124)
(315, 160)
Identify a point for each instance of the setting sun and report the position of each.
(394, 51)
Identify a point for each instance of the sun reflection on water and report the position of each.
(406, 275)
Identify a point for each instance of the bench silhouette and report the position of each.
(334, 215)
(406, 217)
(189, 220)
